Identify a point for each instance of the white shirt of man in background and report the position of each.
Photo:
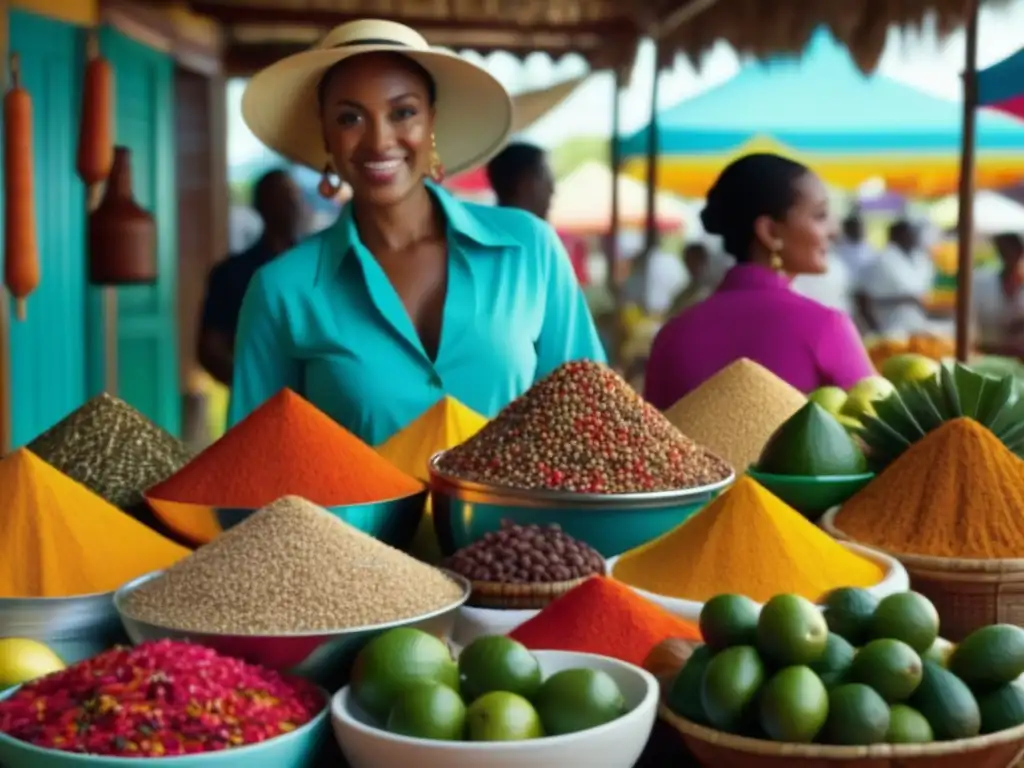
(833, 288)
(666, 277)
(897, 284)
(999, 300)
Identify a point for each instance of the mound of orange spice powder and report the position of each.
(158, 699)
(604, 617)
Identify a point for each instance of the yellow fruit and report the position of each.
(22, 660)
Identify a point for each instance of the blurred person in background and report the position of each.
(834, 288)
(852, 248)
(277, 200)
(703, 278)
(999, 300)
(521, 177)
(773, 216)
(897, 285)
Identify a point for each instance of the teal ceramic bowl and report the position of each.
(298, 749)
(611, 523)
(812, 496)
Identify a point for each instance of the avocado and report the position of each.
(811, 442)
(989, 657)
(857, 716)
(793, 705)
(947, 703)
(1002, 708)
(834, 667)
(908, 726)
(889, 666)
(684, 692)
(848, 611)
(728, 620)
(729, 689)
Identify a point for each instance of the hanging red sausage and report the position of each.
(95, 136)
(21, 245)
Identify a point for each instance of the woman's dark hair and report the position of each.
(755, 185)
(511, 164)
(413, 66)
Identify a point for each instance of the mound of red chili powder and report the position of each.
(158, 700)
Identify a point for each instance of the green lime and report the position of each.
(392, 662)
(857, 716)
(907, 616)
(793, 705)
(428, 711)
(834, 666)
(989, 657)
(1002, 708)
(947, 703)
(684, 692)
(729, 689)
(848, 611)
(908, 726)
(940, 652)
(502, 716)
(891, 667)
(498, 663)
(576, 699)
(791, 631)
(728, 620)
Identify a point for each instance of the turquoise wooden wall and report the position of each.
(57, 354)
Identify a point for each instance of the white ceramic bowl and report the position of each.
(895, 580)
(472, 622)
(617, 744)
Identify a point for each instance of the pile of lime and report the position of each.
(859, 671)
(408, 682)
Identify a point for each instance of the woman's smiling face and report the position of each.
(378, 120)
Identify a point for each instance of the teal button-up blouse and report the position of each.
(324, 320)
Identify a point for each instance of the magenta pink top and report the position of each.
(754, 314)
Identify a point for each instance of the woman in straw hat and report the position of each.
(412, 295)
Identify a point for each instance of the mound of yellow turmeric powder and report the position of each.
(59, 539)
(748, 542)
(957, 492)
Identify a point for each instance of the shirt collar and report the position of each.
(745, 277)
(464, 223)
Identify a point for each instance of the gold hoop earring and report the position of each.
(329, 185)
(775, 261)
(436, 166)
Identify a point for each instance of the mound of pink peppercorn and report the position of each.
(159, 699)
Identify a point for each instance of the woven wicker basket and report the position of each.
(494, 594)
(714, 749)
(968, 594)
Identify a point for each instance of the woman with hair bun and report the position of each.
(773, 216)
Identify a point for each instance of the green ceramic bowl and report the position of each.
(298, 749)
(809, 495)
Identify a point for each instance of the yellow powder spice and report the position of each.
(749, 542)
(59, 539)
(444, 425)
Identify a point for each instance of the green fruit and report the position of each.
(498, 663)
(948, 704)
(393, 661)
(829, 398)
(731, 682)
(428, 711)
(989, 657)
(728, 620)
(848, 612)
(909, 368)
(891, 667)
(791, 631)
(811, 442)
(684, 692)
(577, 699)
(908, 726)
(940, 652)
(793, 705)
(907, 616)
(862, 396)
(501, 716)
(834, 666)
(1002, 708)
(857, 716)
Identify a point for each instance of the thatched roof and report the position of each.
(605, 32)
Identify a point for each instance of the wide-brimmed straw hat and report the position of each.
(473, 109)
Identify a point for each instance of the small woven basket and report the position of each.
(714, 749)
(968, 594)
(532, 596)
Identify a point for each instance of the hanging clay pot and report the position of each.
(122, 235)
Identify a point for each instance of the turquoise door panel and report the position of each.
(48, 358)
(146, 322)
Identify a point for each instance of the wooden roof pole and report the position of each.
(965, 223)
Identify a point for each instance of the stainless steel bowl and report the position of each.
(75, 628)
(323, 657)
(611, 523)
